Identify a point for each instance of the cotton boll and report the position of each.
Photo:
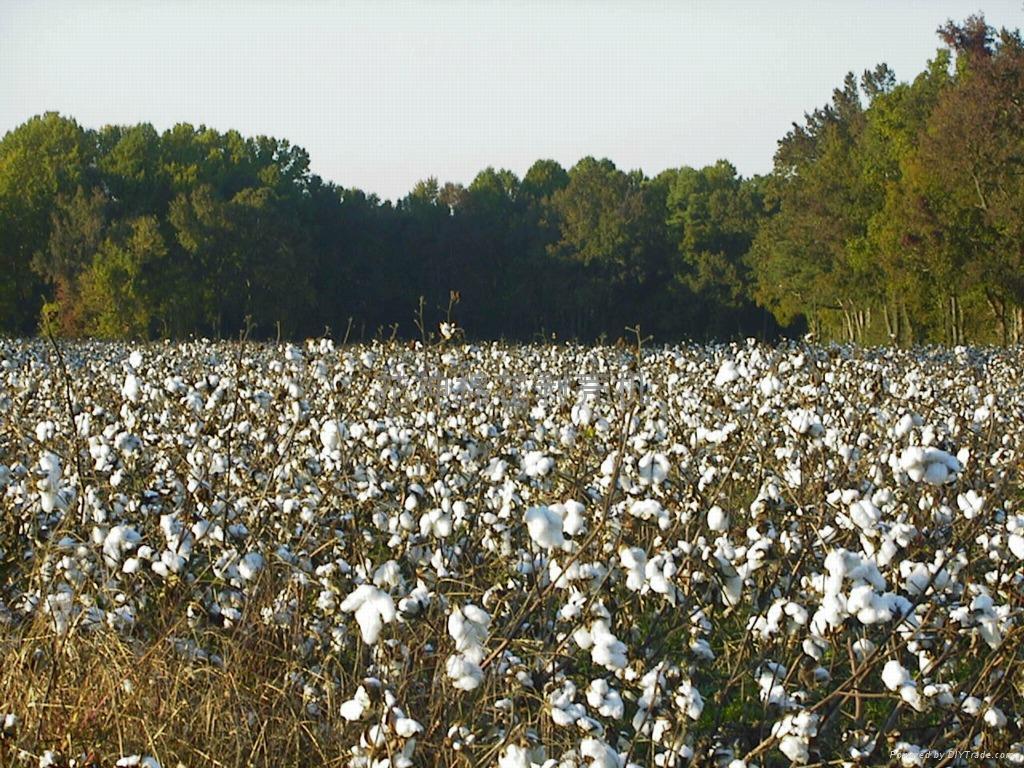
(653, 468)
(545, 527)
(536, 464)
(600, 754)
(994, 717)
(633, 561)
(573, 522)
(895, 675)
(607, 650)
(373, 608)
(250, 565)
(465, 674)
(689, 701)
(718, 520)
(605, 699)
(930, 465)
(131, 390)
(357, 706)
(514, 756)
(468, 626)
(727, 373)
(331, 435)
(406, 727)
(866, 516)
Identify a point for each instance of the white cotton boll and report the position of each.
(930, 465)
(607, 650)
(805, 422)
(794, 733)
(913, 697)
(727, 373)
(465, 673)
(994, 717)
(514, 756)
(865, 516)
(357, 706)
(903, 426)
(131, 390)
(536, 464)
(406, 727)
(653, 468)
(373, 608)
(1015, 542)
(600, 754)
(895, 675)
(45, 430)
(970, 503)
(573, 523)
(582, 414)
(250, 565)
(633, 561)
(331, 435)
(795, 748)
(605, 699)
(769, 386)
(689, 701)
(971, 705)
(545, 527)
(718, 520)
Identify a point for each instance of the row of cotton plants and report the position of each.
(394, 555)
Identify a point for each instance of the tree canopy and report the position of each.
(892, 214)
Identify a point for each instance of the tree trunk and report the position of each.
(907, 323)
(998, 309)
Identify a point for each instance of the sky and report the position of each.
(383, 94)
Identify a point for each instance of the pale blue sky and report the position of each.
(382, 94)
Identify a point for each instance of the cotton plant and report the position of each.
(559, 578)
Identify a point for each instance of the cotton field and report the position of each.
(453, 555)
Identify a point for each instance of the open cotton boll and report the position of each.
(653, 468)
(895, 675)
(929, 465)
(331, 434)
(970, 503)
(468, 626)
(373, 608)
(718, 519)
(633, 561)
(573, 521)
(606, 650)
(600, 754)
(865, 516)
(119, 540)
(357, 706)
(605, 699)
(688, 700)
(131, 761)
(727, 373)
(406, 727)
(1015, 543)
(794, 733)
(514, 756)
(131, 390)
(250, 565)
(465, 673)
(536, 464)
(545, 527)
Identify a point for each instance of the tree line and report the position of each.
(892, 214)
